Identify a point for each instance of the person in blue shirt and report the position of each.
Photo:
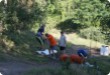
(41, 29)
(82, 53)
(39, 34)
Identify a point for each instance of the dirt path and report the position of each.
(17, 67)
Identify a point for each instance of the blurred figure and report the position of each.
(52, 42)
(102, 50)
(41, 29)
(62, 42)
(106, 52)
(76, 59)
(82, 53)
(39, 35)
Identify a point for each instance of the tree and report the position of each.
(86, 12)
(105, 21)
(19, 14)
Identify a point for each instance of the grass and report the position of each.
(57, 71)
(24, 46)
(100, 68)
(102, 64)
(73, 38)
(3, 58)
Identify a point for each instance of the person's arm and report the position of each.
(85, 57)
(81, 54)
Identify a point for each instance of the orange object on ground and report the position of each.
(51, 40)
(76, 59)
(64, 57)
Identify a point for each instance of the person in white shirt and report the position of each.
(62, 42)
(102, 49)
(106, 51)
(109, 50)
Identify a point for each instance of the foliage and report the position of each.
(101, 63)
(92, 33)
(21, 14)
(105, 22)
(105, 28)
(18, 15)
(86, 12)
(23, 46)
(101, 67)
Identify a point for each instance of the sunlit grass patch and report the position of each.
(73, 38)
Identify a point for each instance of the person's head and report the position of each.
(46, 34)
(43, 25)
(103, 45)
(62, 32)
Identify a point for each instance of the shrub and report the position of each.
(92, 33)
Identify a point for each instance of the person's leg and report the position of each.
(53, 48)
(47, 44)
(40, 40)
(52, 51)
(44, 39)
(62, 49)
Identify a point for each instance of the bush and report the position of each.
(92, 33)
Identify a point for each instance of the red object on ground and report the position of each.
(64, 57)
(76, 59)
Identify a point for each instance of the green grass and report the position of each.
(73, 38)
(57, 71)
(76, 69)
(102, 63)
(24, 45)
(3, 58)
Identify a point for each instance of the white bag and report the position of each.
(46, 52)
(106, 51)
(102, 49)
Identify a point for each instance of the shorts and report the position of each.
(62, 48)
(53, 47)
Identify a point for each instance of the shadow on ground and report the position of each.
(68, 26)
(72, 49)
